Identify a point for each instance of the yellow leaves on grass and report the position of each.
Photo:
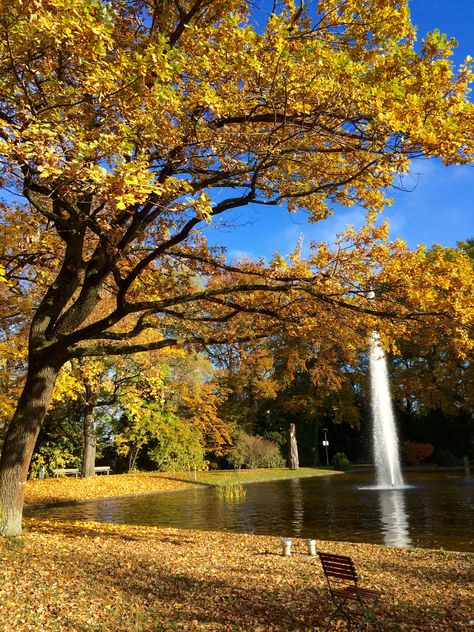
(62, 489)
(85, 576)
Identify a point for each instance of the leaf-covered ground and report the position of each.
(64, 489)
(78, 577)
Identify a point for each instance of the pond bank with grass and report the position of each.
(64, 489)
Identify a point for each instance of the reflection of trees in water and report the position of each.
(297, 520)
(187, 509)
(324, 511)
(270, 506)
(395, 526)
(227, 514)
(425, 509)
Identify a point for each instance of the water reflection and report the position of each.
(297, 521)
(394, 517)
(434, 510)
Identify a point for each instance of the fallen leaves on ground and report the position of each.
(78, 577)
(51, 490)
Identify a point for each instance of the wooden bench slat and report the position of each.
(65, 471)
(354, 592)
(338, 569)
(339, 575)
(338, 566)
(74, 470)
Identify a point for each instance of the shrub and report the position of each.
(445, 458)
(254, 451)
(178, 446)
(172, 443)
(51, 458)
(340, 461)
(276, 460)
(280, 438)
(415, 453)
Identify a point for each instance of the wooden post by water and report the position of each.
(292, 461)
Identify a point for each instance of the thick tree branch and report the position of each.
(177, 238)
(79, 351)
(100, 350)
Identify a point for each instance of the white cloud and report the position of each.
(325, 230)
(234, 254)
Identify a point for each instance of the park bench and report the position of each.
(74, 471)
(102, 469)
(71, 471)
(341, 575)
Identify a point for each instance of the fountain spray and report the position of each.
(385, 440)
(384, 433)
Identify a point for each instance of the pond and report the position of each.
(436, 510)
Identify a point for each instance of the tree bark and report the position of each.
(20, 442)
(89, 443)
(89, 446)
(293, 460)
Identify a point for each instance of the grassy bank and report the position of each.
(218, 477)
(51, 490)
(81, 577)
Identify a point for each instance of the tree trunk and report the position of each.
(20, 442)
(88, 458)
(292, 461)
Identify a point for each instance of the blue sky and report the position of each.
(440, 208)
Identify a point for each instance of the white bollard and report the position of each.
(311, 547)
(286, 544)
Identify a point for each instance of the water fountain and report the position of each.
(385, 441)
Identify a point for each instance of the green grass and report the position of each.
(222, 477)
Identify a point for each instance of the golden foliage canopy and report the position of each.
(127, 126)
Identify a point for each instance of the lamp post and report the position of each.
(325, 444)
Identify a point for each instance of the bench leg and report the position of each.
(340, 610)
(353, 619)
(370, 617)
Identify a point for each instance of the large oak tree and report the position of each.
(120, 119)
